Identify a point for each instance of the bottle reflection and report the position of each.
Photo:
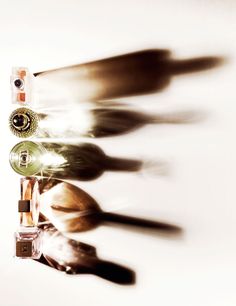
(59, 200)
(113, 122)
(73, 210)
(136, 73)
(84, 161)
(73, 257)
(97, 122)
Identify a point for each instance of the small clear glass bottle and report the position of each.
(22, 86)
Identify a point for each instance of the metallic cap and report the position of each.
(23, 122)
(26, 158)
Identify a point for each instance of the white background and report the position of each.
(199, 191)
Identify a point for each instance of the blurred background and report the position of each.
(196, 188)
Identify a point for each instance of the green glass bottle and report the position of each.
(26, 158)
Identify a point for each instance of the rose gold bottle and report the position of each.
(27, 237)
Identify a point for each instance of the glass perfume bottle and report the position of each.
(21, 86)
(26, 158)
(82, 161)
(28, 243)
(28, 235)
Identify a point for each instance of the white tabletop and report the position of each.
(198, 190)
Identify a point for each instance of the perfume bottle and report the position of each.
(82, 161)
(28, 243)
(26, 158)
(28, 235)
(23, 122)
(21, 86)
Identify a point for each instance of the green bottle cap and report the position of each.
(26, 158)
(23, 122)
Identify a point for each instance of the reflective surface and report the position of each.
(199, 192)
(71, 209)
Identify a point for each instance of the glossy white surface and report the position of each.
(199, 192)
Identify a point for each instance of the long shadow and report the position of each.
(136, 73)
(74, 257)
(73, 210)
(83, 161)
(86, 161)
(105, 122)
(114, 122)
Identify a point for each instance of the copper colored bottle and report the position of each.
(28, 236)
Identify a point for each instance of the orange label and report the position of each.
(22, 74)
(21, 97)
